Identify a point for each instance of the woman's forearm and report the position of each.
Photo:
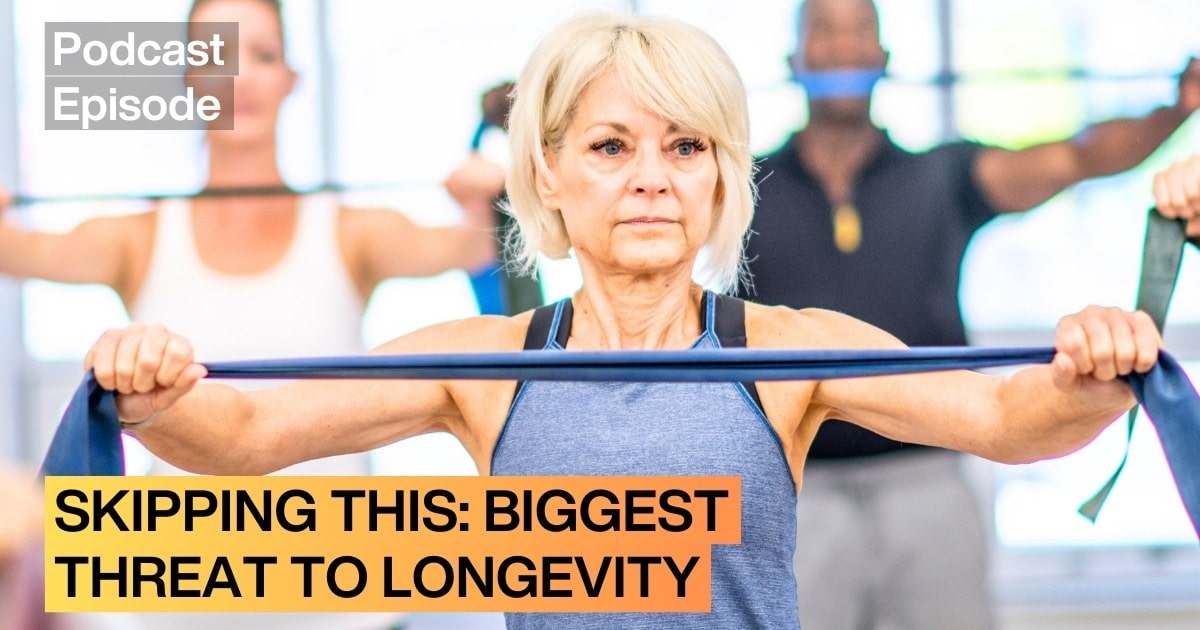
(1035, 419)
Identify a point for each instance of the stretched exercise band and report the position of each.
(1162, 255)
(88, 439)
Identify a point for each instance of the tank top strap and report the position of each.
(550, 326)
(727, 315)
(174, 261)
(173, 225)
(317, 223)
(730, 320)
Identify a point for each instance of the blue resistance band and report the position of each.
(88, 439)
(838, 83)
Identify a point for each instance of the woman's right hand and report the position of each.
(148, 365)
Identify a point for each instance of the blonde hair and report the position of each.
(675, 71)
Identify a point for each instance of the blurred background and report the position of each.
(388, 100)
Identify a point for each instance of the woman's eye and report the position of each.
(265, 56)
(610, 147)
(688, 148)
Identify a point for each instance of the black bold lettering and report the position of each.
(179, 575)
(63, 506)
(70, 562)
(527, 580)
(191, 511)
(308, 515)
(110, 509)
(222, 577)
(445, 509)
(549, 575)
(632, 510)
(154, 511)
(348, 497)
(710, 506)
(485, 582)
(307, 562)
(611, 514)
(419, 575)
(155, 577)
(684, 514)
(568, 522)
(501, 503)
(360, 581)
(260, 576)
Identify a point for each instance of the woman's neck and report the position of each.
(636, 313)
(243, 166)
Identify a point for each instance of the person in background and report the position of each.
(254, 275)
(241, 273)
(478, 183)
(890, 534)
(1177, 192)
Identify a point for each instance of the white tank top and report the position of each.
(304, 306)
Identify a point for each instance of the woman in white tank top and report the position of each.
(254, 276)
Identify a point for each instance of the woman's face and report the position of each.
(264, 79)
(636, 192)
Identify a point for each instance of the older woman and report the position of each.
(630, 147)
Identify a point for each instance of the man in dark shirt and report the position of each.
(889, 534)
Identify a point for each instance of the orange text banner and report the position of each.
(517, 544)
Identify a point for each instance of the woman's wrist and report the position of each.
(138, 425)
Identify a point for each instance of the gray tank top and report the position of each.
(569, 428)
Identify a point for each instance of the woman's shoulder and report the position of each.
(483, 333)
(133, 224)
(132, 235)
(784, 327)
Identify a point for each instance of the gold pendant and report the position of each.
(847, 228)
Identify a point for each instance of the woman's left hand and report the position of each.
(1097, 345)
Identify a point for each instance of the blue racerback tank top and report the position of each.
(572, 428)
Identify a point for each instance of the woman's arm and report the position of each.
(97, 251)
(216, 429)
(382, 244)
(1035, 413)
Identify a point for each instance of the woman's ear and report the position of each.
(546, 181)
(293, 78)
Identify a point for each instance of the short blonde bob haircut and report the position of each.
(673, 70)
